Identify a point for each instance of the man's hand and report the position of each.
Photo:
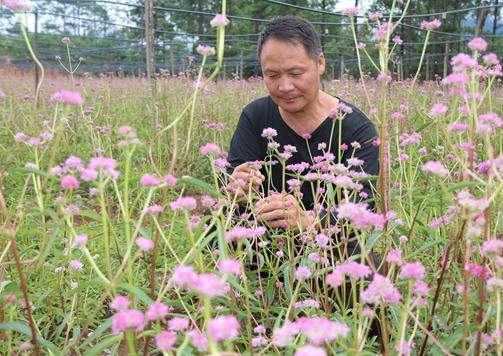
(242, 178)
(283, 211)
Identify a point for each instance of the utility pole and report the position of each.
(481, 20)
(496, 17)
(149, 37)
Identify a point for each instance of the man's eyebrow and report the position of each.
(288, 69)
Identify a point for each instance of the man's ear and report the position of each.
(321, 63)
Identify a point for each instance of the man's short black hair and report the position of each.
(292, 29)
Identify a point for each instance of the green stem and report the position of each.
(32, 53)
(420, 61)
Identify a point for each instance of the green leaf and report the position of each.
(199, 183)
(89, 214)
(103, 344)
(137, 292)
(460, 185)
(24, 329)
(96, 333)
(33, 170)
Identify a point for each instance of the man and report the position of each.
(289, 51)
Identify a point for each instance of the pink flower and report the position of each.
(414, 270)
(156, 311)
(68, 97)
(359, 216)
(76, 265)
(144, 244)
(209, 285)
(88, 175)
(80, 240)
(128, 319)
(199, 341)
(188, 203)
(219, 20)
(125, 131)
(20, 137)
(239, 233)
(165, 340)
(381, 290)
(403, 348)
(259, 329)
(170, 180)
(335, 279)
(154, 209)
(258, 341)
(308, 303)
(412, 139)
(354, 270)
(319, 329)
(120, 302)
(25, 346)
(395, 256)
(225, 327)
(438, 109)
(269, 132)
(420, 288)
(285, 335)
(183, 276)
(351, 11)
(491, 59)
(375, 16)
(398, 40)
(494, 282)
(16, 5)
(230, 266)
(493, 246)
(178, 324)
(431, 25)
(477, 44)
(105, 164)
(309, 350)
(204, 50)
(302, 273)
(210, 148)
(149, 181)
(322, 241)
(73, 162)
(69, 182)
(436, 168)
(478, 271)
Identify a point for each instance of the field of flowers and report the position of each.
(118, 236)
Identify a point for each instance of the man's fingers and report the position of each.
(272, 215)
(283, 224)
(269, 206)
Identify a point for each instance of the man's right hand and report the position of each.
(242, 178)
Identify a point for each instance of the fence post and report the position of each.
(241, 65)
(172, 59)
(342, 68)
(446, 59)
(149, 37)
(36, 50)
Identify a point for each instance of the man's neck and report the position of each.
(306, 121)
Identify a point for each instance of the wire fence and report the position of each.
(120, 48)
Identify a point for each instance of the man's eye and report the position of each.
(272, 76)
(296, 74)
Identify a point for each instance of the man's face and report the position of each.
(291, 76)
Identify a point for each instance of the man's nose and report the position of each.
(285, 85)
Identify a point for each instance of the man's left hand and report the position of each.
(283, 211)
